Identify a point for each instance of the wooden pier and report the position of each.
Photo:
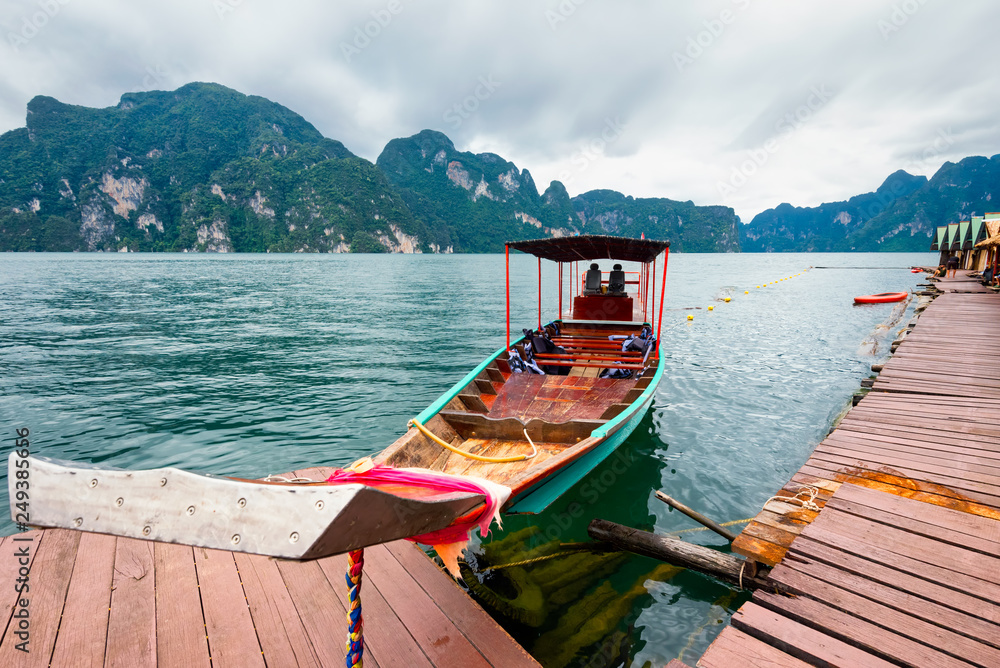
(896, 559)
(98, 600)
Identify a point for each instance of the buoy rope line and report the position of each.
(724, 524)
(808, 504)
(479, 458)
(728, 298)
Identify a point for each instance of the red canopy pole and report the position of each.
(645, 288)
(506, 249)
(652, 303)
(539, 293)
(663, 292)
(560, 289)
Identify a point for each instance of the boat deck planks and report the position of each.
(558, 398)
(98, 599)
(901, 564)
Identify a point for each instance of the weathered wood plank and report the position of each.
(733, 647)
(48, 582)
(805, 643)
(181, 639)
(896, 576)
(872, 640)
(974, 525)
(279, 628)
(231, 634)
(887, 614)
(10, 569)
(489, 638)
(83, 632)
(440, 639)
(132, 621)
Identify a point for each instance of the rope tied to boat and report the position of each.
(355, 621)
(480, 458)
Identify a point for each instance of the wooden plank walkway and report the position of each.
(901, 563)
(101, 600)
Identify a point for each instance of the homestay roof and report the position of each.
(939, 238)
(963, 234)
(952, 234)
(591, 247)
(978, 231)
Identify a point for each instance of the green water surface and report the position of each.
(253, 364)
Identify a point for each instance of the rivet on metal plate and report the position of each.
(78, 521)
(236, 539)
(119, 501)
(146, 531)
(320, 504)
(190, 510)
(93, 483)
(242, 503)
(163, 482)
(294, 538)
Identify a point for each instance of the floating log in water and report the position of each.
(728, 567)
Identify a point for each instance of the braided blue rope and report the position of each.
(355, 621)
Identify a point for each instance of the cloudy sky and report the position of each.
(738, 102)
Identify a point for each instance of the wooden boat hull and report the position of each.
(578, 445)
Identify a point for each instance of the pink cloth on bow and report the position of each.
(496, 495)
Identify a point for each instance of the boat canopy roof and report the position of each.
(591, 247)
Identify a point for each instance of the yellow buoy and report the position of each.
(690, 317)
(728, 299)
(746, 292)
(758, 287)
(711, 308)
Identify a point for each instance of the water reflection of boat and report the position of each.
(560, 598)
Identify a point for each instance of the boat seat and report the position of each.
(592, 280)
(616, 281)
(476, 425)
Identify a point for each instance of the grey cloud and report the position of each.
(564, 68)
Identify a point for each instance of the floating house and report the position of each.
(966, 240)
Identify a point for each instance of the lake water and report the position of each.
(246, 365)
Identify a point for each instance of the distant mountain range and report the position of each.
(206, 168)
(900, 216)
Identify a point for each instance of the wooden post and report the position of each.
(696, 516)
(728, 567)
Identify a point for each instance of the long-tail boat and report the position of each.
(535, 417)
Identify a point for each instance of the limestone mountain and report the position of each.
(484, 200)
(690, 228)
(200, 168)
(206, 168)
(478, 200)
(957, 191)
(831, 227)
